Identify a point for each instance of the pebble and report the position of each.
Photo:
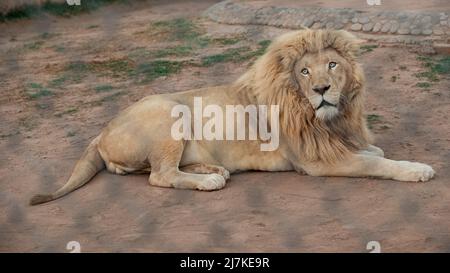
(367, 27)
(377, 27)
(386, 27)
(364, 20)
(329, 25)
(339, 26)
(394, 27)
(308, 22)
(316, 25)
(356, 27)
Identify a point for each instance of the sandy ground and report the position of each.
(41, 139)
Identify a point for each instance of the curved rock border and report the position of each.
(384, 22)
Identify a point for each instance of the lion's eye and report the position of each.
(332, 65)
(304, 71)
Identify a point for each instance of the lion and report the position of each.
(314, 78)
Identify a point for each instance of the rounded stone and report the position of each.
(427, 31)
(415, 31)
(402, 15)
(355, 20)
(386, 27)
(405, 25)
(329, 25)
(377, 27)
(316, 25)
(339, 26)
(394, 27)
(356, 27)
(323, 19)
(367, 27)
(308, 22)
(364, 20)
(426, 19)
(443, 23)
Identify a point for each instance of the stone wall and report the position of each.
(384, 22)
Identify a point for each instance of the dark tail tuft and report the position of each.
(40, 198)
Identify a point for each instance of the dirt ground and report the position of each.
(63, 79)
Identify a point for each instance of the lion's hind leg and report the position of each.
(206, 169)
(165, 172)
(115, 168)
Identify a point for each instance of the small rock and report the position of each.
(356, 27)
(415, 31)
(367, 27)
(426, 19)
(329, 25)
(443, 16)
(394, 27)
(339, 26)
(427, 31)
(355, 20)
(376, 27)
(443, 23)
(316, 25)
(364, 20)
(308, 22)
(386, 27)
(402, 15)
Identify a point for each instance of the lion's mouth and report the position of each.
(325, 103)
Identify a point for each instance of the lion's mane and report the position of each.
(271, 81)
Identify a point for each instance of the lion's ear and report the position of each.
(347, 42)
(287, 59)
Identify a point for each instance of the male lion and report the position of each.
(314, 78)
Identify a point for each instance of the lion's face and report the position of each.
(322, 77)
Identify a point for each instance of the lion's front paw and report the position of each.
(225, 173)
(414, 171)
(211, 182)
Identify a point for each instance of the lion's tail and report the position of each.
(86, 168)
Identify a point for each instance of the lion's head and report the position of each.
(314, 77)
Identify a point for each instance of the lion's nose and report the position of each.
(321, 89)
